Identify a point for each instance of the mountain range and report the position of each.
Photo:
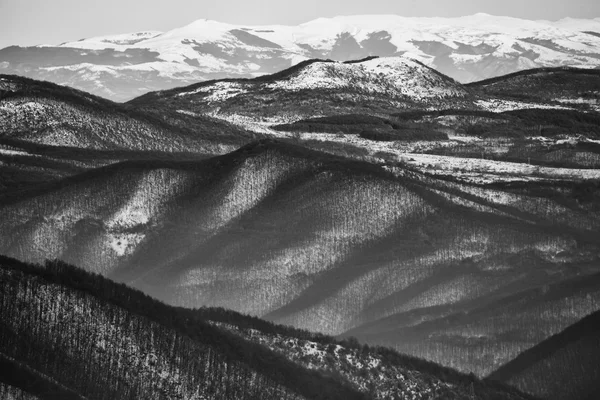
(121, 67)
(375, 200)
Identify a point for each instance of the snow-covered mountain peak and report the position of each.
(203, 29)
(466, 48)
(399, 76)
(322, 88)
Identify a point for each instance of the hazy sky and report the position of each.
(28, 22)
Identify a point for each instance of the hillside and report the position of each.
(330, 245)
(47, 114)
(317, 87)
(569, 86)
(469, 48)
(76, 335)
(101, 340)
(564, 366)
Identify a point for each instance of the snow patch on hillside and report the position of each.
(125, 243)
(499, 105)
(219, 91)
(364, 370)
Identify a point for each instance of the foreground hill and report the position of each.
(73, 335)
(564, 366)
(469, 48)
(47, 114)
(331, 245)
(318, 87)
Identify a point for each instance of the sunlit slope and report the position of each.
(565, 366)
(48, 114)
(315, 241)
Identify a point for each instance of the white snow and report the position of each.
(502, 33)
(218, 91)
(117, 42)
(9, 152)
(500, 169)
(125, 243)
(500, 105)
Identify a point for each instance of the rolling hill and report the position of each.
(318, 87)
(470, 48)
(331, 245)
(73, 335)
(569, 86)
(564, 366)
(47, 114)
(50, 132)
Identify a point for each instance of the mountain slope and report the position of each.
(323, 243)
(97, 339)
(469, 48)
(564, 85)
(564, 366)
(48, 114)
(102, 340)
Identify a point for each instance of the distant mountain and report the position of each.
(69, 334)
(562, 367)
(470, 48)
(318, 87)
(332, 245)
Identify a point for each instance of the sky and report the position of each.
(30, 22)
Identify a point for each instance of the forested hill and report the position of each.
(562, 367)
(393, 256)
(70, 334)
(44, 113)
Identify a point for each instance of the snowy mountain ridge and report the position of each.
(468, 48)
(318, 88)
(399, 76)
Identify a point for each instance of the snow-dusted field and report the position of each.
(488, 170)
(500, 105)
(409, 153)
